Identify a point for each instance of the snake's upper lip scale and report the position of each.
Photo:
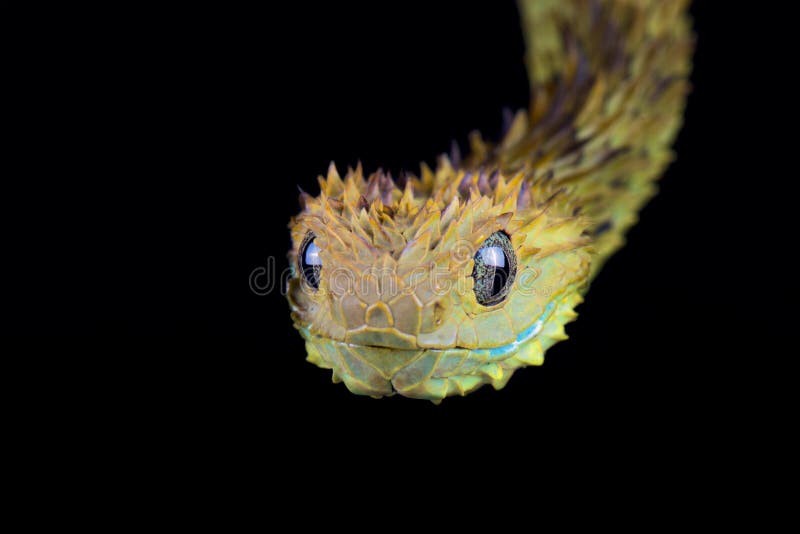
(491, 353)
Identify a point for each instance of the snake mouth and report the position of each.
(494, 353)
(428, 373)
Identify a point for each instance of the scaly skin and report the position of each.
(395, 311)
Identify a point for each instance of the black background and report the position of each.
(174, 143)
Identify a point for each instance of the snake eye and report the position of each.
(495, 268)
(309, 261)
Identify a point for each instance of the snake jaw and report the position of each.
(434, 374)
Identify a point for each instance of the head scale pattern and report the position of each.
(395, 310)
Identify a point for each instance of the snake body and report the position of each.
(458, 276)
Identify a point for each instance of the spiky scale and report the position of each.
(608, 84)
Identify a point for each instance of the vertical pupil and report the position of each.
(495, 259)
(499, 282)
(495, 268)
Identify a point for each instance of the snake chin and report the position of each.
(431, 373)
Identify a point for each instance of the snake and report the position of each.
(438, 282)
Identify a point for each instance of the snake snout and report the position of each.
(381, 371)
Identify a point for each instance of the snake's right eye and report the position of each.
(495, 268)
(310, 262)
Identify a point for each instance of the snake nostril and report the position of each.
(438, 313)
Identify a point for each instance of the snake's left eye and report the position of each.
(310, 262)
(495, 269)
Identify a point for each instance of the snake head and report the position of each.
(434, 287)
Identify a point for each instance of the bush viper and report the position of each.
(437, 283)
